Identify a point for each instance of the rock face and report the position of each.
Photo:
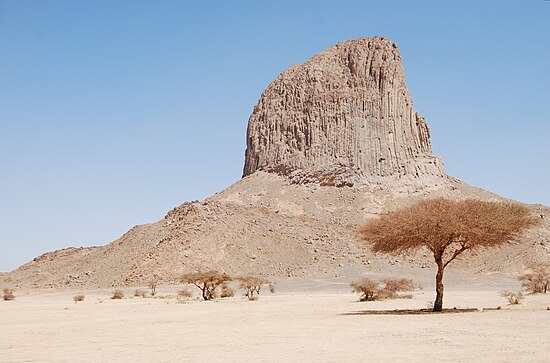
(345, 116)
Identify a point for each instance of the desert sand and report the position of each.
(306, 320)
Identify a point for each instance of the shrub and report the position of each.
(153, 284)
(537, 279)
(371, 290)
(140, 293)
(226, 291)
(8, 295)
(185, 293)
(117, 295)
(367, 289)
(78, 298)
(252, 285)
(513, 297)
(208, 282)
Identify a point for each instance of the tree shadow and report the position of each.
(417, 311)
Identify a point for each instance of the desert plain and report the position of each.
(305, 320)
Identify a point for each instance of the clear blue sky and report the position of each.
(114, 112)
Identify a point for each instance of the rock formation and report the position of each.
(343, 118)
(345, 115)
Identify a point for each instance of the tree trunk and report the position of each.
(438, 304)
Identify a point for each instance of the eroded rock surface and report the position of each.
(346, 109)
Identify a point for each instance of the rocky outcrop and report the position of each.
(347, 108)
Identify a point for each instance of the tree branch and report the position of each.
(457, 252)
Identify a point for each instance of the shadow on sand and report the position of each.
(418, 311)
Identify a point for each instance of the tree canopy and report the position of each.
(447, 228)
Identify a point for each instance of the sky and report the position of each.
(114, 112)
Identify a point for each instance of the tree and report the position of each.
(207, 282)
(447, 228)
(253, 285)
(537, 279)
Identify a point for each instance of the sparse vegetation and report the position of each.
(207, 282)
(537, 279)
(447, 228)
(513, 297)
(8, 295)
(252, 285)
(371, 290)
(117, 295)
(140, 293)
(226, 291)
(78, 298)
(153, 284)
(185, 293)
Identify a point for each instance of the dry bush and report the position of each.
(367, 288)
(78, 298)
(447, 228)
(370, 290)
(513, 297)
(140, 293)
(153, 284)
(227, 291)
(117, 295)
(252, 285)
(185, 293)
(8, 295)
(393, 288)
(537, 279)
(207, 282)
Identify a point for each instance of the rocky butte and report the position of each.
(331, 143)
(346, 111)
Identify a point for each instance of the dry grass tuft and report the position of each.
(8, 295)
(227, 292)
(117, 295)
(140, 293)
(185, 293)
(78, 298)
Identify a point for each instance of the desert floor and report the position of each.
(307, 320)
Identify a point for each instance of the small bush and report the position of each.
(78, 298)
(117, 295)
(513, 297)
(371, 290)
(367, 289)
(227, 292)
(185, 293)
(8, 295)
(153, 284)
(140, 293)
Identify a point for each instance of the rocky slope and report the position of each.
(331, 143)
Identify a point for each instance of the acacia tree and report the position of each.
(447, 228)
(537, 279)
(207, 282)
(253, 285)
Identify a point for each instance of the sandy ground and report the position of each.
(289, 326)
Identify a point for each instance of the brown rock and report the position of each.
(344, 117)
